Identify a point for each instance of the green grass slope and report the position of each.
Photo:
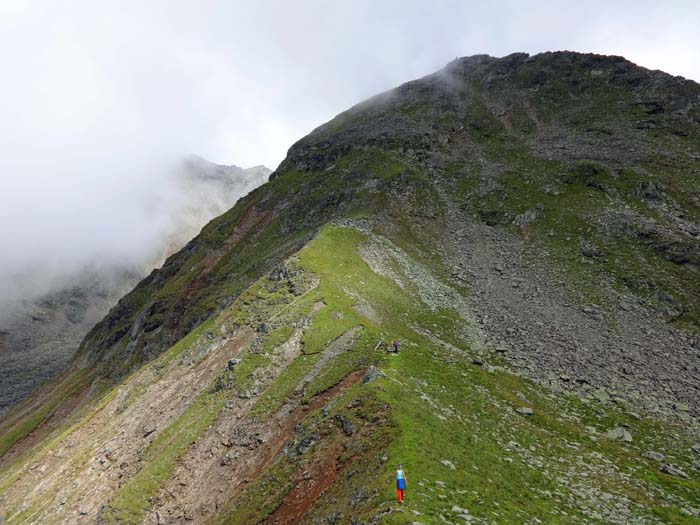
(454, 426)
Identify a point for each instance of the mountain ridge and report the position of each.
(311, 153)
(526, 227)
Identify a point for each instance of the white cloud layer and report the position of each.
(101, 98)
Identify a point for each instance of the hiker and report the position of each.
(400, 483)
(395, 344)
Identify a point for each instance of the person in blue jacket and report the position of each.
(400, 483)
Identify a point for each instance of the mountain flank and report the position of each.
(528, 229)
(42, 331)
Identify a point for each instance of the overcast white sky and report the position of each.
(99, 97)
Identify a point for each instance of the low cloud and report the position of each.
(100, 100)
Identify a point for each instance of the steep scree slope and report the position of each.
(527, 227)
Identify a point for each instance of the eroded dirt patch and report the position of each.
(238, 448)
(223, 457)
(318, 471)
(309, 484)
(102, 454)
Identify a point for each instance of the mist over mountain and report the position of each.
(205, 190)
(150, 221)
(45, 311)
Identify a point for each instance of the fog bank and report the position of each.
(100, 100)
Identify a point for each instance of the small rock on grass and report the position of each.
(448, 464)
(347, 426)
(673, 471)
(656, 456)
(526, 411)
(620, 433)
(372, 373)
(601, 395)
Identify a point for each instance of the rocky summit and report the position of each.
(527, 229)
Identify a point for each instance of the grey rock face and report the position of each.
(601, 395)
(673, 471)
(347, 426)
(372, 373)
(656, 456)
(547, 334)
(620, 433)
(525, 218)
(39, 336)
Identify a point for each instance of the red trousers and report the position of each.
(399, 493)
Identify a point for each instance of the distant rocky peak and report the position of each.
(194, 166)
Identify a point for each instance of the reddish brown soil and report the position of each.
(252, 220)
(312, 481)
(308, 487)
(105, 450)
